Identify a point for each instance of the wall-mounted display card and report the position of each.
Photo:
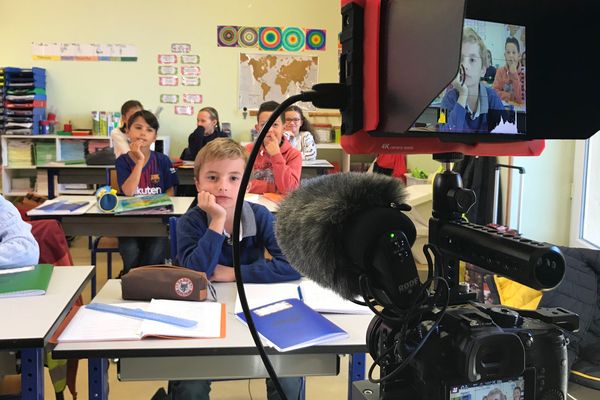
(167, 59)
(184, 110)
(167, 70)
(169, 98)
(168, 80)
(192, 98)
(190, 59)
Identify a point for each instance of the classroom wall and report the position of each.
(75, 88)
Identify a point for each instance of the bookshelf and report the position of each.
(22, 153)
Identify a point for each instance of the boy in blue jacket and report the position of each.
(203, 242)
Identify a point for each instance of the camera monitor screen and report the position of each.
(513, 389)
(488, 94)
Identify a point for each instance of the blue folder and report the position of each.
(290, 324)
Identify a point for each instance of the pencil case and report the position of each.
(164, 282)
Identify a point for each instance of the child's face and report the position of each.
(222, 179)
(471, 60)
(276, 130)
(511, 54)
(129, 113)
(140, 131)
(204, 119)
(293, 121)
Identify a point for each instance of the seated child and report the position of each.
(299, 132)
(507, 81)
(203, 241)
(471, 105)
(17, 245)
(278, 165)
(118, 135)
(142, 171)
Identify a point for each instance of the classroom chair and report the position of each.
(103, 244)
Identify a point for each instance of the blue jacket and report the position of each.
(460, 120)
(201, 249)
(17, 245)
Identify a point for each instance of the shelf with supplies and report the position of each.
(21, 154)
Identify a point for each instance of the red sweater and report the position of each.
(277, 174)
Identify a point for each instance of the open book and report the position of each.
(91, 325)
(149, 204)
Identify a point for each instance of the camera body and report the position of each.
(477, 350)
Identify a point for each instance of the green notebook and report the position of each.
(28, 282)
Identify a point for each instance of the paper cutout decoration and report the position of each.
(269, 38)
(247, 36)
(167, 70)
(193, 98)
(167, 59)
(169, 98)
(190, 81)
(184, 110)
(83, 51)
(191, 70)
(315, 39)
(190, 59)
(227, 36)
(181, 47)
(293, 39)
(168, 80)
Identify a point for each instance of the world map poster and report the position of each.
(274, 77)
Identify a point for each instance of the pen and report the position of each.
(138, 313)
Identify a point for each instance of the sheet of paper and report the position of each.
(96, 326)
(208, 316)
(327, 301)
(259, 294)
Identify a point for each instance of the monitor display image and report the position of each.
(508, 389)
(488, 94)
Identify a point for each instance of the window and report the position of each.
(585, 207)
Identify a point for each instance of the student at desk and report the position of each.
(17, 245)
(278, 165)
(118, 135)
(204, 242)
(143, 172)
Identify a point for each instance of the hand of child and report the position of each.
(459, 82)
(271, 145)
(208, 203)
(136, 153)
(223, 273)
(512, 66)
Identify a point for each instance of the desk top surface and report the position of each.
(30, 321)
(180, 206)
(237, 341)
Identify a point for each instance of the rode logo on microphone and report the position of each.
(408, 285)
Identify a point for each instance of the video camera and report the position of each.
(433, 340)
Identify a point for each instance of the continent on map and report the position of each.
(294, 72)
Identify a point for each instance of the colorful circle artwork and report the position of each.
(227, 36)
(247, 37)
(315, 39)
(293, 39)
(270, 38)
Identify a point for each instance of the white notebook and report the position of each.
(97, 326)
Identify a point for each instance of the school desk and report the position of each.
(97, 223)
(29, 322)
(309, 169)
(76, 173)
(234, 356)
